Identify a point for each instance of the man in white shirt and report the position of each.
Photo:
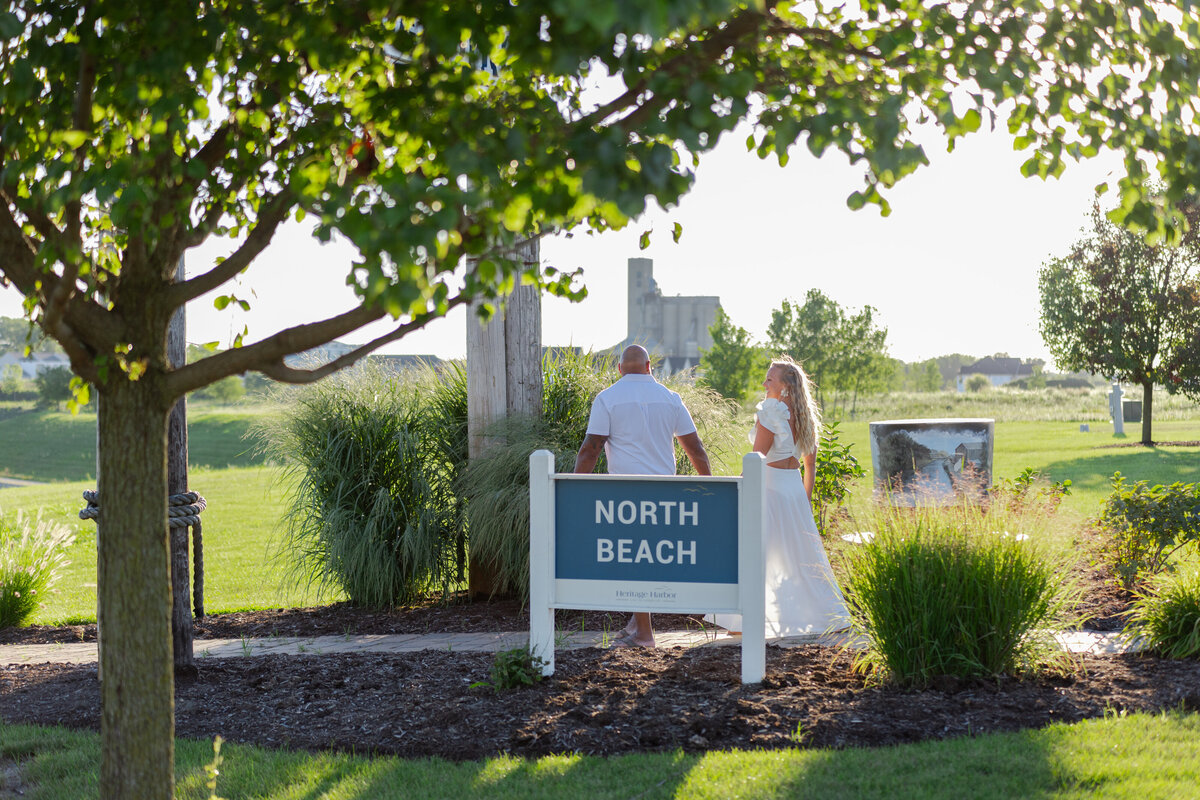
(636, 421)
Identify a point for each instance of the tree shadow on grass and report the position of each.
(1163, 465)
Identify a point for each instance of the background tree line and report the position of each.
(843, 349)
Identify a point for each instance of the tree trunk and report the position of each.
(137, 719)
(1147, 412)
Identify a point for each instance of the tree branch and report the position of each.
(81, 119)
(827, 41)
(18, 257)
(268, 355)
(29, 209)
(715, 42)
(203, 229)
(270, 350)
(281, 372)
(273, 214)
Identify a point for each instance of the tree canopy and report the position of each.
(843, 352)
(425, 132)
(729, 364)
(1119, 307)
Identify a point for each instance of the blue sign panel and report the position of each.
(640, 530)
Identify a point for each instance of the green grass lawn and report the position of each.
(239, 530)
(244, 505)
(1062, 452)
(1134, 756)
(58, 446)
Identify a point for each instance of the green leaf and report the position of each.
(677, 232)
(644, 240)
(516, 213)
(72, 138)
(10, 25)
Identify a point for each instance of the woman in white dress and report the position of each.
(802, 596)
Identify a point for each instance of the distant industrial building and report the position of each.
(674, 329)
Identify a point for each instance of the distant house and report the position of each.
(35, 364)
(997, 370)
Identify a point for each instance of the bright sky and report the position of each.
(953, 269)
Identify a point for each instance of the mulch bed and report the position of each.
(598, 701)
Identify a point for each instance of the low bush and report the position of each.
(31, 553)
(512, 669)
(978, 383)
(1031, 489)
(1148, 525)
(960, 591)
(837, 470)
(371, 510)
(1166, 615)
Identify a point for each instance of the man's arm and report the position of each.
(589, 452)
(691, 444)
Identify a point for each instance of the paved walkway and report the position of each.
(85, 652)
(11, 483)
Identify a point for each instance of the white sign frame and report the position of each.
(748, 597)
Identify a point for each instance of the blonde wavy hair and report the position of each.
(798, 397)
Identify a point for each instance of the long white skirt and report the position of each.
(802, 596)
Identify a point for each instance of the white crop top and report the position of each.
(774, 415)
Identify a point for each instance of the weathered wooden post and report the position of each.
(504, 378)
(177, 483)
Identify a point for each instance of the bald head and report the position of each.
(635, 360)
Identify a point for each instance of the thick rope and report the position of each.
(183, 511)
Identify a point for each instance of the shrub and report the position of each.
(1031, 489)
(371, 509)
(836, 470)
(512, 669)
(11, 380)
(228, 390)
(1167, 616)
(31, 553)
(53, 386)
(1148, 525)
(954, 591)
(978, 383)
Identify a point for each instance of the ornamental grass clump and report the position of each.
(963, 591)
(31, 553)
(1166, 616)
(371, 510)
